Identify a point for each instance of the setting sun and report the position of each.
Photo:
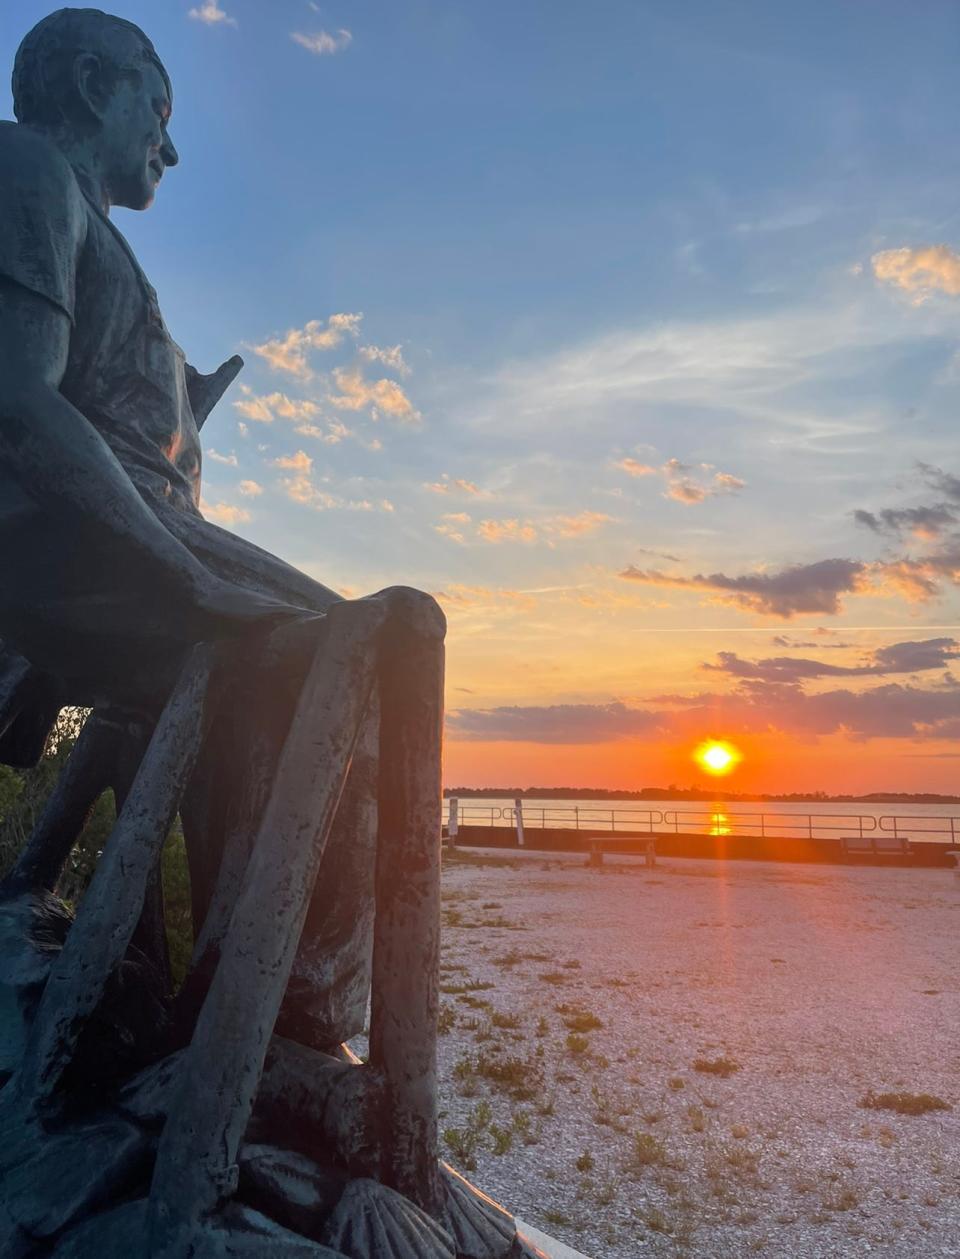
(716, 757)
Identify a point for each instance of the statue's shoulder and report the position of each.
(34, 168)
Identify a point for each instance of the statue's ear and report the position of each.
(91, 83)
(206, 391)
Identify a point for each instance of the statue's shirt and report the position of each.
(125, 373)
(73, 601)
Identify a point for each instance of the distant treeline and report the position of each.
(701, 793)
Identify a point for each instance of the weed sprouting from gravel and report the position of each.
(500, 1018)
(647, 1151)
(582, 1021)
(722, 1066)
(903, 1103)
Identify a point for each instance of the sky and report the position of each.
(629, 332)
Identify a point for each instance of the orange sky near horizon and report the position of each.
(775, 764)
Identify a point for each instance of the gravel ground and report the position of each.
(584, 1009)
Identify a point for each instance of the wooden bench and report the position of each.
(598, 844)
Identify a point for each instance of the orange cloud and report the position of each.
(577, 526)
(380, 395)
(446, 486)
(224, 513)
(251, 489)
(512, 530)
(923, 270)
(634, 467)
(289, 353)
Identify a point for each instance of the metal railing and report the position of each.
(853, 831)
(922, 828)
(769, 825)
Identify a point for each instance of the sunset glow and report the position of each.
(717, 758)
(686, 482)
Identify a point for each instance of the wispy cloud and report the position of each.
(633, 467)
(211, 14)
(688, 485)
(515, 529)
(230, 460)
(802, 588)
(509, 530)
(454, 485)
(300, 488)
(251, 489)
(289, 352)
(391, 356)
(322, 43)
(554, 723)
(577, 526)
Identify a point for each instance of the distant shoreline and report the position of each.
(701, 793)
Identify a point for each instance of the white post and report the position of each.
(453, 821)
(518, 814)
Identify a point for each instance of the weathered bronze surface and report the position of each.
(296, 734)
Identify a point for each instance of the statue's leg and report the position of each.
(221, 1072)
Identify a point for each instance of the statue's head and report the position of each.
(97, 79)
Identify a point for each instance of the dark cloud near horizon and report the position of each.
(891, 710)
(801, 588)
(906, 657)
(923, 522)
(943, 482)
(553, 723)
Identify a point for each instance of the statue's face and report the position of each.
(135, 146)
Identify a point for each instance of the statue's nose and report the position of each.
(168, 152)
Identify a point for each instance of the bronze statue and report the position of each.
(296, 734)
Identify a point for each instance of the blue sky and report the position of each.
(675, 295)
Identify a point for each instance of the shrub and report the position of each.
(722, 1066)
(904, 1103)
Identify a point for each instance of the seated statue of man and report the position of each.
(108, 571)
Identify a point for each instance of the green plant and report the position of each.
(554, 977)
(519, 1078)
(502, 1139)
(464, 1142)
(585, 1162)
(577, 1044)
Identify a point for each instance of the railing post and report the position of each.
(453, 820)
(518, 815)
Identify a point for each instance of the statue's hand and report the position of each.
(229, 610)
(206, 391)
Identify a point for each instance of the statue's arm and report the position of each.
(65, 465)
